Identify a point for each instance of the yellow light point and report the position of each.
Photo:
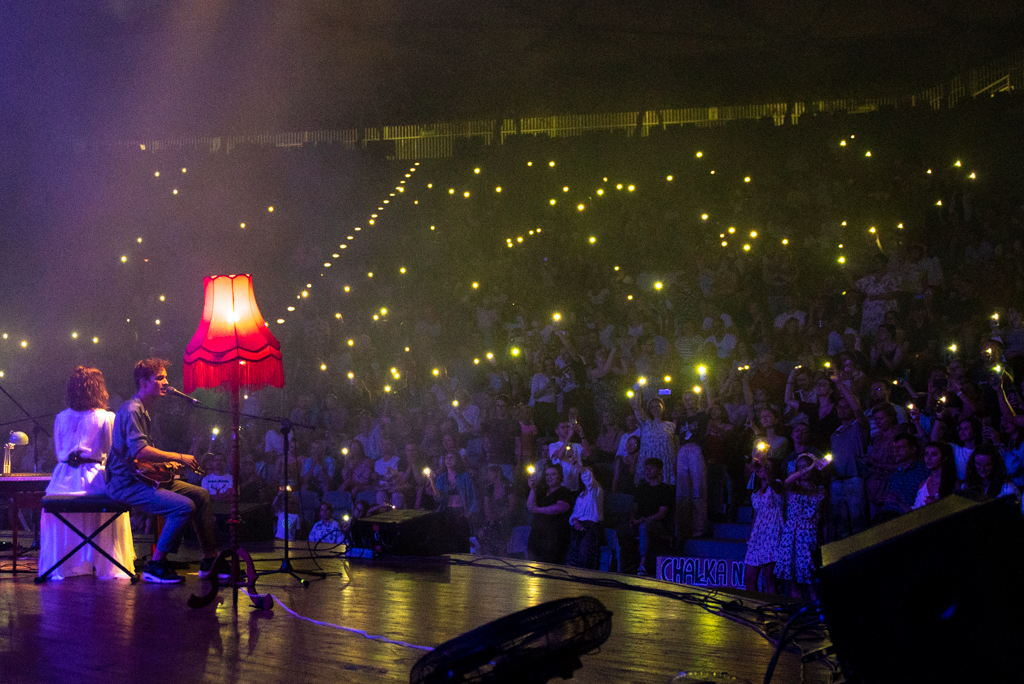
(828, 364)
(74, 336)
(731, 228)
(530, 469)
(476, 170)
(531, 232)
(216, 431)
(241, 225)
(618, 186)
(529, 163)
(995, 317)
(387, 388)
(370, 274)
(351, 376)
(593, 239)
(668, 379)
(348, 288)
(385, 202)
(158, 321)
(432, 228)
(371, 222)
(351, 343)
(641, 381)
(476, 285)
(658, 285)
(952, 348)
(124, 259)
(270, 209)
(785, 241)
(868, 153)
(394, 371)
(95, 340)
(957, 163)
(668, 178)
(466, 194)
(972, 176)
(900, 226)
(455, 403)
(551, 202)
(383, 312)
(746, 248)
(280, 321)
(600, 191)
(843, 223)
(840, 246)
(630, 394)
(157, 174)
(703, 217)
(753, 233)
(327, 264)
(323, 366)
(762, 446)
(519, 239)
(343, 246)
(712, 172)
(696, 389)
(515, 351)
(5, 336)
(163, 298)
(291, 308)
(842, 260)
(939, 203)
(436, 371)
(929, 171)
(305, 293)
(406, 349)
(842, 143)
(702, 369)
(551, 163)
(616, 268)
(725, 243)
(476, 361)
(497, 189)
(565, 188)
(402, 269)
(580, 207)
(451, 191)
(629, 297)
(747, 179)
(699, 155)
(631, 188)
(557, 317)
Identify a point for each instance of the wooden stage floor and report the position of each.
(87, 631)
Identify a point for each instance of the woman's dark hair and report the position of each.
(973, 480)
(947, 480)
(460, 467)
(87, 389)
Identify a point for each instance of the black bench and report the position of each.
(58, 504)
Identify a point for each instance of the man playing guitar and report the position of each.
(176, 500)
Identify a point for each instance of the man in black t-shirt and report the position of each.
(647, 532)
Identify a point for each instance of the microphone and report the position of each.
(192, 400)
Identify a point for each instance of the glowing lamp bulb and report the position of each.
(762, 446)
(530, 469)
(668, 379)
(696, 389)
(455, 403)
(426, 471)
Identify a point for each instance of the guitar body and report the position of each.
(157, 474)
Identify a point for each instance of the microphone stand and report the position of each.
(286, 563)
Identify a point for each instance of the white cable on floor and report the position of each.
(361, 632)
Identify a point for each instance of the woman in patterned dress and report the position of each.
(804, 498)
(657, 437)
(763, 545)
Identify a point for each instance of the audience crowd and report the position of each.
(816, 356)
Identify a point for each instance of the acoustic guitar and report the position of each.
(157, 474)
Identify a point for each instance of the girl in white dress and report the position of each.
(82, 434)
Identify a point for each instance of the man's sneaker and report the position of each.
(206, 568)
(159, 572)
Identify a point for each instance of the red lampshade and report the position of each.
(232, 343)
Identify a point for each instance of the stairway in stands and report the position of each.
(728, 540)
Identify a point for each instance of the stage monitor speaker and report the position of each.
(932, 596)
(412, 533)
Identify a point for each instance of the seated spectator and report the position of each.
(326, 530)
(647, 532)
(358, 471)
(906, 479)
(585, 523)
(624, 479)
(941, 480)
(986, 474)
(287, 529)
(499, 501)
(219, 483)
(393, 474)
(317, 470)
(551, 505)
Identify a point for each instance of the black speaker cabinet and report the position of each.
(933, 596)
(412, 533)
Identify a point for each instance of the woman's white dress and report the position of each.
(89, 433)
